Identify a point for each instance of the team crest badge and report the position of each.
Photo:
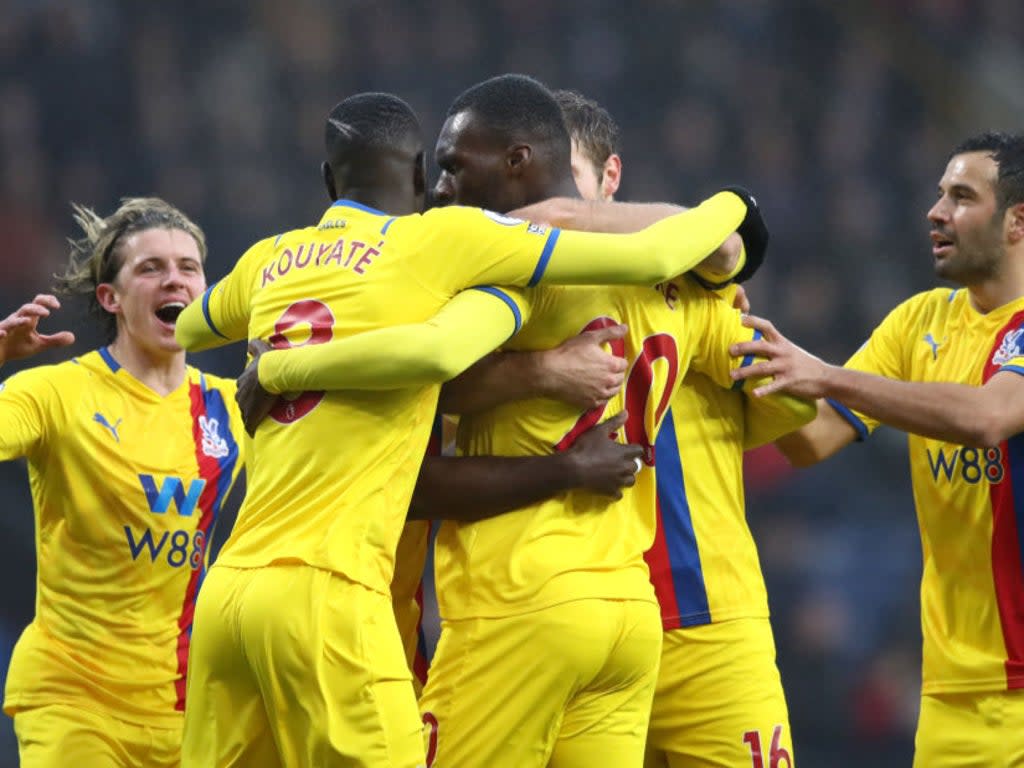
(1010, 348)
(214, 446)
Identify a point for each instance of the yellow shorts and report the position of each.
(61, 735)
(568, 686)
(963, 730)
(295, 666)
(719, 700)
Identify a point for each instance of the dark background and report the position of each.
(839, 114)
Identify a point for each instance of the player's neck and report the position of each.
(563, 187)
(998, 291)
(161, 371)
(379, 198)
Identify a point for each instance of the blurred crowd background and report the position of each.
(839, 114)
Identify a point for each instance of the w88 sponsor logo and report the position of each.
(972, 465)
(178, 547)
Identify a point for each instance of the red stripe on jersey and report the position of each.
(660, 565)
(1007, 567)
(210, 470)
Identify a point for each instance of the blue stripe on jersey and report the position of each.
(358, 206)
(1015, 461)
(509, 301)
(545, 257)
(108, 358)
(677, 524)
(1013, 368)
(206, 311)
(217, 409)
(384, 229)
(952, 294)
(850, 416)
(747, 360)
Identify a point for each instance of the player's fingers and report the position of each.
(633, 452)
(762, 325)
(615, 421)
(766, 389)
(752, 371)
(740, 300)
(603, 335)
(33, 310)
(60, 339)
(47, 300)
(257, 347)
(758, 348)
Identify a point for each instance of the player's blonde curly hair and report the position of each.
(96, 258)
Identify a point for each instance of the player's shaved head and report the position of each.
(370, 121)
(518, 108)
(371, 140)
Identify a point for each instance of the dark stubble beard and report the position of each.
(979, 262)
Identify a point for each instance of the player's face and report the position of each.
(967, 231)
(161, 273)
(474, 167)
(583, 173)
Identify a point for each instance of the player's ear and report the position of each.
(328, 176)
(107, 297)
(518, 159)
(611, 176)
(1015, 223)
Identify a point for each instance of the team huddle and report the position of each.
(600, 594)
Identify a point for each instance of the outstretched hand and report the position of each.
(19, 331)
(604, 465)
(789, 368)
(580, 372)
(253, 400)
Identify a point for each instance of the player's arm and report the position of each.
(829, 432)
(578, 371)
(482, 248)
(27, 401)
(470, 488)
(469, 326)
(221, 315)
(623, 218)
(19, 331)
(957, 413)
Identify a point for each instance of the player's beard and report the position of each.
(978, 259)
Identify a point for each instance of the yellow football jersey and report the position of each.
(127, 486)
(704, 562)
(972, 587)
(580, 545)
(332, 473)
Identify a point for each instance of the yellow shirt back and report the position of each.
(578, 544)
(332, 473)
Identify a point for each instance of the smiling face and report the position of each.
(161, 272)
(967, 225)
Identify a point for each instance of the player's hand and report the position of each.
(787, 367)
(19, 331)
(253, 400)
(740, 301)
(603, 465)
(580, 372)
